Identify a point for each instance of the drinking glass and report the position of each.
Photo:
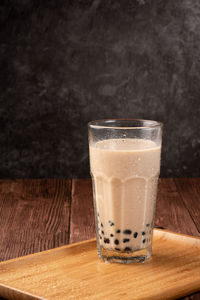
(125, 166)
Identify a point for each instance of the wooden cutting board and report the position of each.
(75, 272)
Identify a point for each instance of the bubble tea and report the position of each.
(125, 166)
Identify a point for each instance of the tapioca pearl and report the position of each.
(101, 224)
(127, 231)
(126, 240)
(111, 223)
(118, 231)
(106, 241)
(100, 237)
(144, 241)
(135, 235)
(102, 232)
(116, 242)
(148, 225)
(143, 232)
(117, 249)
(111, 235)
(127, 249)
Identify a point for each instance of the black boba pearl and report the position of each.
(127, 249)
(143, 232)
(126, 240)
(116, 242)
(118, 230)
(144, 241)
(101, 224)
(106, 241)
(117, 249)
(111, 235)
(111, 223)
(102, 232)
(100, 237)
(135, 235)
(127, 231)
(148, 225)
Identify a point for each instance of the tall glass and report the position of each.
(125, 166)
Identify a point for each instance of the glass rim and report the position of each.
(104, 123)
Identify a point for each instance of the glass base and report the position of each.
(112, 256)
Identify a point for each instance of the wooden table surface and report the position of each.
(41, 214)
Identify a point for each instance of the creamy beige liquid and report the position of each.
(125, 174)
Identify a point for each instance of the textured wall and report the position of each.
(64, 63)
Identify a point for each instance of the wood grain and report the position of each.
(189, 190)
(171, 213)
(75, 272)
(34, 216)
(82, 213)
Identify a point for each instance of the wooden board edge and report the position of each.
(176, 233)
(7, 292)
(186, 292)
(47, 251)
(156, 231)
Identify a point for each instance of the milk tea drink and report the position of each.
(125, 174)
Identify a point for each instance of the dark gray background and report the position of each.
(64, 63)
